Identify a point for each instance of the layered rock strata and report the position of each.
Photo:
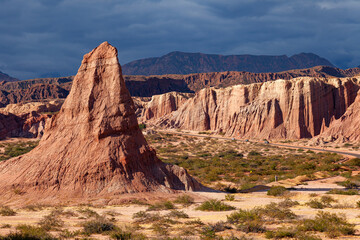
(293, 109)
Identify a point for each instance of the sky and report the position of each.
(40, 38)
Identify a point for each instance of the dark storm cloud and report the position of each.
(45, 37)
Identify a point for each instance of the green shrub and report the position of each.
(144, 217)
(98, 225)
(142, 126)
(349, 184)
(354, 162)
(88, 213)
(7, 211)
(358, 204)
(184, 199)
(161, 206)
(214, 205)
(28, 232)
(252, 226)
(51, 222)
(277, 191)
(229, 197)
(274, 211)
(287, 203)
(343, 192)
(126, 235)
(332, 224)
(254, 153)
(314, 203)
(290, 233)
(176, 214)
(242, 216)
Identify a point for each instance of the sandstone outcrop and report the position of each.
(161, 105)
(30, 118)
(296, 108)
(344, 129)
(93, 148)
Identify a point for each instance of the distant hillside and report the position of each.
(147, 86)
(5, 77)
(186, 63)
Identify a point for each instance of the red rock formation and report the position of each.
(30, 118)
(93, 147)
(344, 129)
(293, 109)
(163, 104)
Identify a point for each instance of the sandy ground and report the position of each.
(243, 201)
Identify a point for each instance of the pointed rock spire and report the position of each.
(93, 147)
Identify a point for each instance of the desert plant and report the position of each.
(166, 205)
(241, 216)
(330, 223)
(28, 232)
(7, 211)
(229, 197)
(277, 191)
(214, 205)
(184, 199)
(343, 192)
(177, 214)
(287, 203)
(98, 225)
(274, 211)
(51, 222)
(314, 203)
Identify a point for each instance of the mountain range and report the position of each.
(186, 63)
(5, 77)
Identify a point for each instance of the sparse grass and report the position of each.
(214, 205)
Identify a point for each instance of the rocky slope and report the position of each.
(5, 77)
(147, 86)
(185, 63)
(93, 148)
(296, 108)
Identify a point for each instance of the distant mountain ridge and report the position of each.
(5, 77)
(186, 63)
(147, 86)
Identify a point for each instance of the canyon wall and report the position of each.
(283, 109)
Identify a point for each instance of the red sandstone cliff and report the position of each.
(344, 129)
(297, 108)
